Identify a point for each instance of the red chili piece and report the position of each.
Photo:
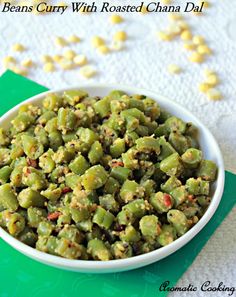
(117, 164)
(53, 216)
(66, 190)
(167, 200)
(32, 163)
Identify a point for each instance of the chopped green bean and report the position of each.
(22, 121)
(121, 250)
(52, 102)
(96, 153)
(5, 157)
(98, 250)
(178, 220)
(191, 158)
(66, 120)
(207, 170)
(130, 190)
(148, 144)
(103, 218)
(94, 178)
(149, 226)
(32, 148)
(167, 235)
(172, 165)
(74, 96)
(120, 173)
(79, 165)
(117, 148)
(161, 202)
(179, 194)
(5, 173)
(33, 178)
(172, 183)
(130, 234)
(29, 197)
(101, 178)
(174, 124)
(197, 186)
(109, 203)
(68, 249)
(8, 199)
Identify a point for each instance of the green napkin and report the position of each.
(21, 276)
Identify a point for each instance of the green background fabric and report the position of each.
(21, 276)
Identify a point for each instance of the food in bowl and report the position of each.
(101, 178)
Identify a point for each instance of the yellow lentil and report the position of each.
(103, 49)
(27, 63)
(164, 36)
(49, 67)
(80, 60)
(87, 71)
(57, 58)
(18, 47)
(74, 39)
(46, 58)
(174, 69)
(166, 2)
(204, 49)
(144, 9)
(9, 60)
(173, 30)
(84, 11)
(186, 35)
(120, 36)
(116, 19)
(60, 41)
(66, 64)
(212, 80)
(97, 41)
(69, 54)
(174, 16)
(198, 39)
(20, 71)
(61, 4)
(196, 58)
(204, 87)
(189, 46)
(214, 94)
(183, 25)
(206, 4)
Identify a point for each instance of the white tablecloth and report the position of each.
(144, 63)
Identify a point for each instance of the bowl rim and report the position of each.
(139, 260)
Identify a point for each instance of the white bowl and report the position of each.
(210, 150)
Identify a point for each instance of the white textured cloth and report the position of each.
(144, 63)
